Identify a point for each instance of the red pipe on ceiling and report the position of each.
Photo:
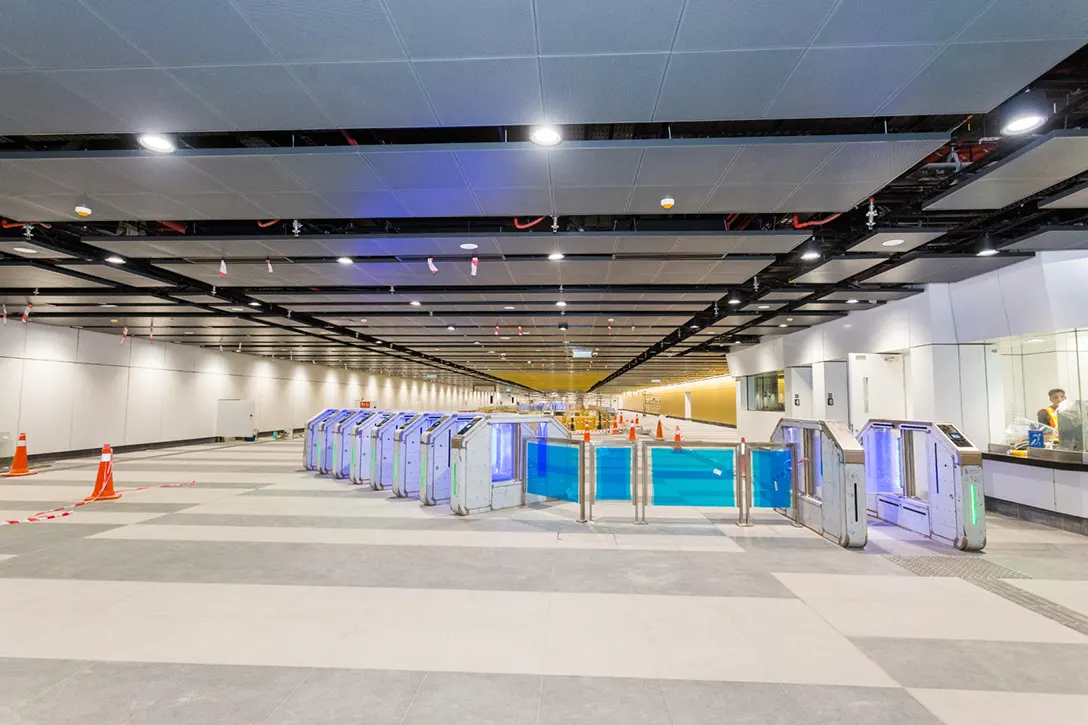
(174, 226)
(527, 225)
(265, 225)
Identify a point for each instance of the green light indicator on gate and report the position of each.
(974, 506)
(423, 473)
(395, 466)
(454, 479)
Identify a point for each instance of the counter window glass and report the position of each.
(767, 391)
(1035, 390)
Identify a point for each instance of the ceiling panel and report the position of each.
(836, 270)
(939, 269)
(1073, 198)
(1047, 161)
(1051, 240)
(879, 295)
(895, 241)
(30, 277)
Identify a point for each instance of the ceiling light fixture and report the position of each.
(115, 260)
(451, 328)
(545, 136)
(560, 303)
(24, 250)
(415, 303)
(556, 256)
(1023, 114)
(810, 254)
(82, 210)
(783, 325)
(763, 307)
(157, 142)
(363, 320)
(851, 302)
(237, 309)
(893, 242)
(508, 307)
(1037, 339)
(734, 301)
(254, 304)
(187, 332)
(986, 247)
(469, 246)
(346, 260)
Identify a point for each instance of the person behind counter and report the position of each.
(1049, 415)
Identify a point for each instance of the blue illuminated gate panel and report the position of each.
(772, 478)
(552, 471)
(692, 477)
(614, 474)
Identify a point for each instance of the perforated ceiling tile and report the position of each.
(465, 28)
(570, 200)
(298, 205)
(943, 269)
(145, 206)
(76, 38)
(368, 95)
(1054, 239)
(324, 30)
(367, 204)
(12, 278)
(223, 206)
(10, 246)
(820, 196)
(598, 26)
(601, 88)
(62, 206)
(722, 85)
(686, 199)
(1041, 164)
(477, 92)
(752, 197)
(732, 24)
(254, 97)
(1025, 20)
(844, 82)
(837, 270)
(735, 270)
(895, 241)
(1073, 198)
(514, 202)
(869, 295)
(857, 22)
(777, 161)
(417, 169)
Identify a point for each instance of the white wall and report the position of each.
(754, 425)
(877, 387)
(831, 378)
(799, 402)
(70, 389)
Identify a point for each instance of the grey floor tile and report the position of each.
(825, 705)
(454, 698)
(224, 695)
(975, 665)
(28, 538)
(602, 701)
(788, 544)
(839, 561)
(102, 692)
(340, 697)
(493, 569)
(24, 679)
(737, 703)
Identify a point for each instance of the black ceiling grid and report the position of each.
(369, 163)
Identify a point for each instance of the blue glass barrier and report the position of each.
(614, 473)
(692, 477)
(552, 470)
(772, 478)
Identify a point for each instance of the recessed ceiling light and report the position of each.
(504, 338)
(24, 250)
(415, 303)
(1037, 339)
(157, 142)
(363, 320)
(1023, 124)
(469, 246)
(556, 256)
(187, 332)
(107, 304)
(451, 328)
(783, 325)
(346, 260)
(545, 136)
(115, 260)
(851, 302)
(113, 322)
(508, 307)
(892, 242)
(560, 303)
(764, 307)
(734, 301)
(810, 255)
(237, 309)
(490, 352)
(476, 342)
(254, 304)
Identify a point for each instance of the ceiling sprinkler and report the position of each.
(667, 202)
(296, 227)
(870, 216)
(28, 231)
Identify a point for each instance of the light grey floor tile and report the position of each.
(602, 701)
(839, 561)
(516, 570)
(738, 703)
(222, 694)
(24, 679)
(102, 692)
(340, 697)
(821, 705)
(788, 545)
(979, 665)
(28, 538)
(452, 698)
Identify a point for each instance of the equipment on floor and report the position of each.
(328, 429)
(407, 453)
(103, 482)
(19, 465)
(339, 463)
(436, 454)
(830, 465)
(488, 461)
(381, 450)
(362, 446)
(925, 477)
(311, 451)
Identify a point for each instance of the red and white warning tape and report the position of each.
(62, 511)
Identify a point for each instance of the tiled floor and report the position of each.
(265, 594)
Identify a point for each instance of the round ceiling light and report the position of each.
(556, 256)
(667, 202)
(115, 260)
(560, 303)
(545, 136)
(24, 250)
(157, 142)
(508, 307)
(1023, 124)
(345, 260)
(451, 328)
(810, 255)
(734, 301)
(469, 246)
(82, 210)
(892, 242)
(254, 304)
(764, 307)
(851, 302)
(415, 303)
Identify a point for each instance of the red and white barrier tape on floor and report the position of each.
(62, 511)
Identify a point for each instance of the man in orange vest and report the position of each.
(1049, 414)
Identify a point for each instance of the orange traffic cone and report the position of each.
(586, 436)
(678, 438)
(19, 464)
(621, 418)
(615, 426)
(637, 424)
(103, 482)
(660, 430)
(631, 434)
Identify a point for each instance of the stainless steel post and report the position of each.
(581, 482)
(795, 481)
(743, 502)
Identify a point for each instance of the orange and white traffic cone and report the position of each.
(103, 482)
(637, 423)
(660, 430)
(621, 418)
(19, 463)
(615, 426)
(678, 437)
(631, 434)
(585, 437)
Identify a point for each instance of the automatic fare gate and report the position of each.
(406, 453)
(830, 465)
(332, 439)
(436, 453)
(381, 455)
(488, 457)
(362, 446)
(925, 477)
(311, 447)
(343, 457)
